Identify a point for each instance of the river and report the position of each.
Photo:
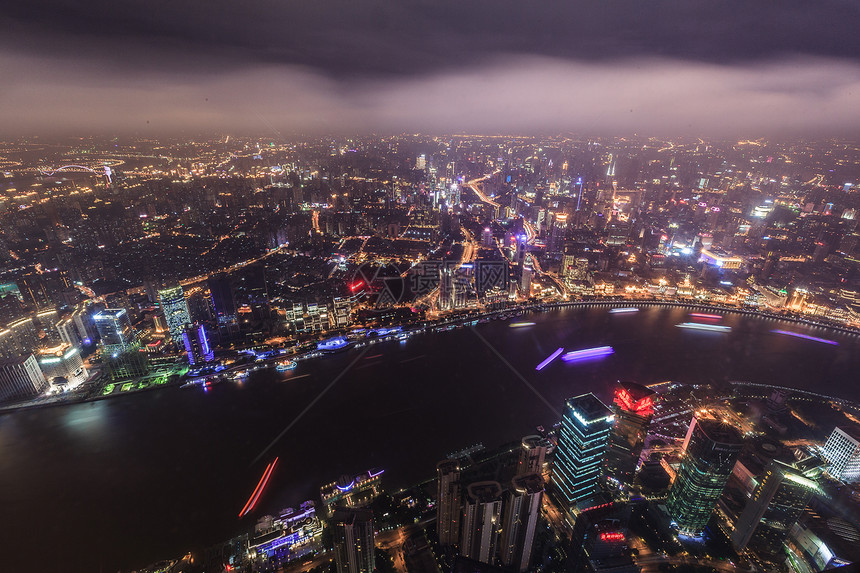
(123, 482)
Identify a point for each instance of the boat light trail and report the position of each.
(261, 485)
(705, 327)
(521, 324)
(805, 337)
(623, 310)
(587, 353)
(706, 316)
(549, 359)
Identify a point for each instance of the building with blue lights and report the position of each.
(710, 451)
(582, 442)
(196, 344)
(292, 535)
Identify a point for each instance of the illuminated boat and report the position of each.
(588, 353)
(285, 365)
(704, 327)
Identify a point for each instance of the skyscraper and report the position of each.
(842, 453)
(482, 512)
(710, 452)
(114, 327)
(446, 288)
(634, 408)
(522, 512)
(448, 502)
(222, 299)
(776, 504)
(353, 540)
(583, 438)
(175, 310)
(487, 240)
(196, 343)
(120, 344)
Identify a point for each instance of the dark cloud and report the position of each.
(412, 37)
(748, 67)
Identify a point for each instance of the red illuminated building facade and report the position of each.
(634, 407)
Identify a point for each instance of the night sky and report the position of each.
(739, 68)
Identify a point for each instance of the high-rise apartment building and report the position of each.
(353, 540)
(521, 517)
(583, 439)
(482, 513)
(711, 449)
(448, 502)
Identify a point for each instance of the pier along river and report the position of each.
(123, 482)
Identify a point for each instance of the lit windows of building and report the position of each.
(175, 310)
(21, 378)
(448, 502)
(711, 449)
(63, 366)
(354, 540)
(775, 506)
(842, 454)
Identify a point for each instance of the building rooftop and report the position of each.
(637, 391)
(589, 407)
(15, 361)
(352, 515)
(484, 491)
(528, 483)
(719, 432)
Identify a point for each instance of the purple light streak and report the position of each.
(805, 337)
(549, 359)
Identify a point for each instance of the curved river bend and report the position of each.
(123, 482)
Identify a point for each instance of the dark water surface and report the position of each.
(123, 482)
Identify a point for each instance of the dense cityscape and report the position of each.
(135, 267)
